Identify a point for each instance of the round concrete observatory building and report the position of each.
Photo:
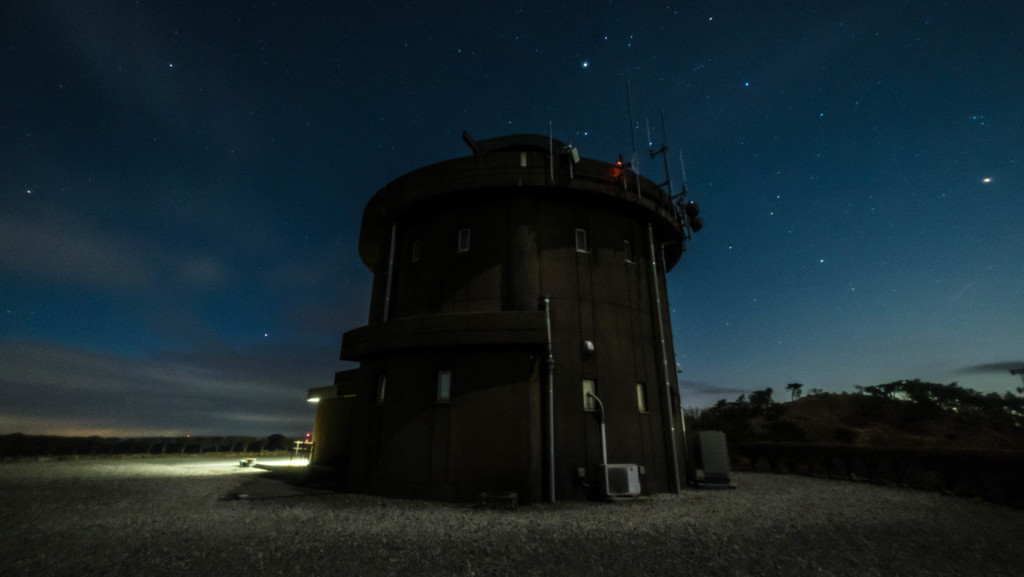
(518, 338)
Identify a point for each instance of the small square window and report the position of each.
(589, 389)
(416, 250)
(444, 386)
(382, 381)
(463, 240)
(629, 250)
(581, 240)
(641, 397)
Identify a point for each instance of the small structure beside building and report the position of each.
(518, 338)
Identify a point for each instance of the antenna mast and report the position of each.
(634, 161)
(686, 213)
(663, 151)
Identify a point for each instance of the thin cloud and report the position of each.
(697, 394)
(1003, 367)
(71, 252)
(704, 389)
(54, 389)
(203, 272)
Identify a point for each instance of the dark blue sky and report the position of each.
(181, 187)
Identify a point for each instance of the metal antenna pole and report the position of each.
(632, 133)
(634, 161)
(664, 152)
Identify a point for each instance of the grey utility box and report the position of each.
(622, 480)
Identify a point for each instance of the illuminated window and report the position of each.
(463, 240)
(581, 240)
(641, 397)
(444, 386)
(416, 250)
(589, 388)
(629, 250)
(382, 381)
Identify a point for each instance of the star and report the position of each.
(586, 64)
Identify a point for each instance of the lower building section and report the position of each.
(436, 424)
(454, 422)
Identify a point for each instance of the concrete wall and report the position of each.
(486, 437)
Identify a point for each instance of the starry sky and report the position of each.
(182, 183)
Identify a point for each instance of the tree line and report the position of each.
(20, 445)
(901, 402)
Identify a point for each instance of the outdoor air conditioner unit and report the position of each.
(623, 480)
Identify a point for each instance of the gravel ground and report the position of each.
(168, 517)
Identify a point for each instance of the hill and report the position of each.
(900, 414)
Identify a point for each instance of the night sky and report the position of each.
(182, 183)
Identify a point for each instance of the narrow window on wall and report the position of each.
(382, 381)
(444, 386)
(581, 240)
(463, 240)
(641, 397)
(589, 388)
(629, 250)
(416, 250)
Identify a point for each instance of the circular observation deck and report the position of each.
(517, 164)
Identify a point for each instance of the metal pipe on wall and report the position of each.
(551, 153)
(687, 465)
(604, 441)
(391, 268)
(549, 400)
(668, 421)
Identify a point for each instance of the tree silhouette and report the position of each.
(761, 401)
(795, 390)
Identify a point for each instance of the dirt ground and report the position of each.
(208, 516)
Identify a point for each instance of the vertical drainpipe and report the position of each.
(687, 468)
(668, 422)
(391, 268)
(604, 444)
(549, 400)
(551, 153)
